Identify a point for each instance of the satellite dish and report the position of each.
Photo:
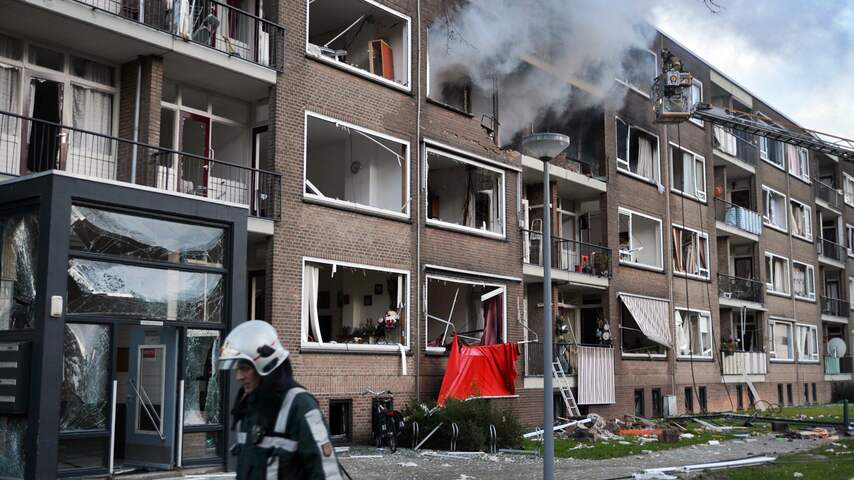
(836, 347)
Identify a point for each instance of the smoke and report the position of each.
(580, 41)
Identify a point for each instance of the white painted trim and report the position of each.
(500, 289)
(631, 213)
(473, 273)
(702, 234)
(480, 158)
(697, 157)
(693, 120)
(654, 181)
(788, 275)
(808, 222)
(810, 270)
(765, 220)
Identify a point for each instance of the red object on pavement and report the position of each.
(480, 371)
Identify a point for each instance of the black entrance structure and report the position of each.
(113, 302)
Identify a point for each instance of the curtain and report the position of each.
(91, 154)
(705, 337)
(310, 319)
(773, 209)
(596, 376)
(689, 251)
(702, 247)
(651, 315)
(688, 174)
(93, 71)
(645, 165)
(793, 159)
(799, 278)
(682, 334)
(491, 320)
(10, 127)
(677, 250)
(779, 274)
(797, 229)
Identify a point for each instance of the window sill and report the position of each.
(436, 351)
(355, 207)
(692, 276)
(775, 227)
(644, 356)
(805, 180)
(634, 175)
(358, 71)
(632, 88)
(781, 360)
(449, 107)
(694, 358)
(309, 347)
(809, 362)
(463, 229)
(779, 294)
(805, 299)
(805, 239)
(769, 162)
(698, 123)
(688, 196)
(642, 266)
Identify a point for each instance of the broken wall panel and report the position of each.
(19, 235)
(202, 405)
(13, 430)
(85, 372)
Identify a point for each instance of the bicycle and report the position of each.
(386, 422)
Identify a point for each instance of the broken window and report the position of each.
(776, 274)
(640, 239)
(637, 152)
(639, 69)
(782, 342)
(696, 97)
(85, 375)
(475, 312)
(361, 36)
(347, 304)
(346, 165)
(449, 81)
(19, 238)
(112, 233)
(799, 162)
(201, 378)
(803, 280)
(635, 341)
(694, 333)
(807, 343)
(689, 173)
(131, 291)
(775, 208)
(690, 252)
(463, 193)
(13, 431)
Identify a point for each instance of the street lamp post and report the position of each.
(546, 146)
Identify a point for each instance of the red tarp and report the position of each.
(480, 371)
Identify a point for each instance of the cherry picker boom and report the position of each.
(672, 103)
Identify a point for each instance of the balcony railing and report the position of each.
(563, 352)
(837, 365)
(739, 217)
(831, 250)
(29, 145)
(828, 194)
(206, 22)
(736, 144)
(738, 288)
(568, 255)
(744, 363)
(835, 306)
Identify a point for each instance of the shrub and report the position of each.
(473, 419)
(843, 391)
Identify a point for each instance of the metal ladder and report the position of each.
(561, 381)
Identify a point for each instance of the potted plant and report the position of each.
(728, 344)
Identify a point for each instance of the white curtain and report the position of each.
(797, 229)
(10, 127)
(91, 154)
(400, 292)
(688, 174)
(646, 168)
(799, 278)
(682, 334)
(596, 376)
(793, 159)
(310, 319)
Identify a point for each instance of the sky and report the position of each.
(795, 55)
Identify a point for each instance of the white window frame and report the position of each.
(305, 345)
(464, 157)
(631, 263)
(320, 198)
(807, 221)
(407, 87)
(802, 356)
(700, 190)
(625, 354)
(708, 317)
(848, 189)
(443, 278)
(809, 279)
(769, 283)
(764, 146)
(849, 239)
(851, 292)
(699, 234)
(772, 352)
(623, 163)
(654, 74)
(695, 82)
(803, 173)
(766, 194)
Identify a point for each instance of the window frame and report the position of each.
(696, 82)
(803, 165)
(851, 292)
(848, 189)
(801, 356)
(809, 275)
(635, 88)
(766, 220)
(708, 317)
(407, 87)
(624, 159)
(445, 278)
(772, 352)
(699, 234)
(466, 158)
(634, 355)
(849, 237)
(699, 195)
(632, 213)
(807, 221)
(344, 204)
(764, 146)
(307, 346)
(769, 287)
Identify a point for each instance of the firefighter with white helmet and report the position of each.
(280, 430)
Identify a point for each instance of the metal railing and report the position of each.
(738, 288)
(736, 144)
(828, 194)
(831, 250)
(837, 365)
(835, 306)
(746, 363)
(593, 170)
(566, 353)
(568, 255)
(29, 145)
(206, 22)
(742, 218)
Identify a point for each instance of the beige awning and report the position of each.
(651, 315)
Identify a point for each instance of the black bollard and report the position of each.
(845, 417)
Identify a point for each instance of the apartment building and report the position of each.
(302, 163)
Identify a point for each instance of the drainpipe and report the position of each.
(797, 360)
(135, 149)
(418, 299)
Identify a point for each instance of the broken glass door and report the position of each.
(195, 140)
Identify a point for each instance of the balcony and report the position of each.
(835, 307)
(744, 363)
(572, 261)
(838, 365)
(836, 253)
(826, 195)
(51, 146)
(733, 289)
(736, 219)
(563, 352)
(737, 147)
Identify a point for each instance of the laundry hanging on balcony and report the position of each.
(596, 375)
(651, 315)
(485, 371)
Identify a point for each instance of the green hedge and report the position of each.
(473, 418)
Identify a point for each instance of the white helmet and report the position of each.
(256, 342)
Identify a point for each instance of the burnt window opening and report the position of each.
(637, 152)
(360, 36)
(639, 69)
(341, 421)
(474, 311)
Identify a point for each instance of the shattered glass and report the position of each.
(13, 430)
(113, 233)
(19, 235)
(86, 365)
(201, 378)
(114, 289)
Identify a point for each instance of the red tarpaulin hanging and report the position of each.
(480, 371)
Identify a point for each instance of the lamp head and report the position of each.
(544, 146)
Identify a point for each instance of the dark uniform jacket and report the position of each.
(293, 445)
